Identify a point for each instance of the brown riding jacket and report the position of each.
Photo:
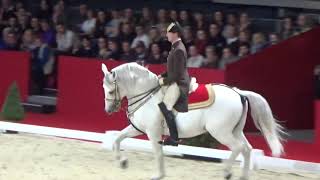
(177, 72)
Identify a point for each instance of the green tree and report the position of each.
(12, 109)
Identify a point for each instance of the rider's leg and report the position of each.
(171, 96)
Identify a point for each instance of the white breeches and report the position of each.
(172, 94)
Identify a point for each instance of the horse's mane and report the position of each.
(131, 72)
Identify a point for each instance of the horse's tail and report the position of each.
(264, 121)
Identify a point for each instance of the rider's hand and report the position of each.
(161, 81)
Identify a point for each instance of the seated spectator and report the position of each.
(195, 59)
(230, 34)
(304, 23)
(147, 20)
(58, 15)
(154, 35)
(41, 65)
(173, 16)
(45, 10)
(184, 18)
(245, 23)
(216, 39)
(64, 39)
(100, 24)
(47, 33)
(14, 26)
(115, 20)
(127, 53)
(81, 17)
(211, 58)
(244, 49)
(162, 18)
(102, 48)
(28, 42)
(126, 33)
(258, 42)
(23, 22)
(113, 50)
(164, 44)
(155, 56)
(140, 53)
(201, 41)
(128, 16)
(287, 29)
(228, 57)
(274, 38)
(88, 26)
(232, 19)
(10, 40)
(200, 23)
(35, 25)
(187, 37)
(85, 49)
(218, 18)
(317, 81)
(141, 36)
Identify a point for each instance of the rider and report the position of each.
(177, 79)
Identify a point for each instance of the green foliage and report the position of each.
(204, 140)
(12, 109)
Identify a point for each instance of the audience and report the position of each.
(195, 60)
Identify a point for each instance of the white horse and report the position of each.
(224, 119)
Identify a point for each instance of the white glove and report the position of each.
(161, 81)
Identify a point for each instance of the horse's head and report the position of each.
(112, 96)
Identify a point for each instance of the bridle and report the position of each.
(116, 102)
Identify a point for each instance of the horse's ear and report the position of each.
(104, 69)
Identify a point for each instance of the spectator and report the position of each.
(41, 65)
(140, 53)
(162, 17)
(184, 18)
(126, 33)
(23, 22)
(200, 23)
(128, 16)
(230, 34)
(258, 42)
(45, 10)
(211, 58)
(58, 15)
(147, 20)
(155, 56)
(141, 36)
(64, 39)
(7, 9)
(127, 53)
(218, 19)
(317, 81)
(10, 41)
(164, 44)
(244, 49)
(201, 41)
(216, 39)
(4, 37)
(47, 33)
(228, 57)
(13, 24)
(274, 38)
(287, 28)
(102, 48)
(187, 37)
(304, 23)
(28, 42)
(35, 25)
(195, 59)
(173, 16)
(245, 23)
(232, 19)
(113, 50)
(86, 49)
(154, 35)
(88, 26)
(101, 23)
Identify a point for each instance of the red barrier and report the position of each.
(14, 66)
(317, 122)
(283, 74)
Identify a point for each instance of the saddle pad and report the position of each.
(202, 97)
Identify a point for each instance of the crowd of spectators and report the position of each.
(213, 39)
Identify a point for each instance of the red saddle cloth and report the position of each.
(202, 97)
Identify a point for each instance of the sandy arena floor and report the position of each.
(31, 157)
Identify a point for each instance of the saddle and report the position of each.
(200, 95)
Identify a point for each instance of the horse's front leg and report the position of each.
(129, 131)
(155, 136)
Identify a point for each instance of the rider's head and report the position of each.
(174, 31)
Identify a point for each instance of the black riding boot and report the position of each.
(170, 120)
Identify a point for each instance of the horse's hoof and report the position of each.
(157, 177)
(228, 176)
(124, 163)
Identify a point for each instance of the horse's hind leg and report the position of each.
(235, 145)
(246, 152)
(129, 131)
